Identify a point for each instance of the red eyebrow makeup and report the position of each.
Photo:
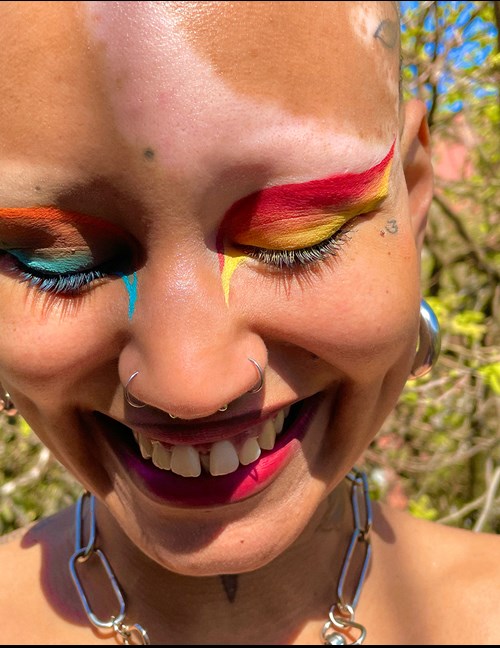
(296, 216)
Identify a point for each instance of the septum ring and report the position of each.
(260, 384)
(134, 402)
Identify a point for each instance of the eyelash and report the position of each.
(69, 284)
(297, 259)
(74, 283)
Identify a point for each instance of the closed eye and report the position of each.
(301, 257)
(57, 283)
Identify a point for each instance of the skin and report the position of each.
(113, 141)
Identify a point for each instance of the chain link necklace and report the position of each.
(340, 616)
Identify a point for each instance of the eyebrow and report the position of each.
(292, 201)
(34, 225)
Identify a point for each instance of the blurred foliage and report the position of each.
(438, 454)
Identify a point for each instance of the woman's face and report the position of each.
(134, 139)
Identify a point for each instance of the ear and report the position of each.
(417, 166)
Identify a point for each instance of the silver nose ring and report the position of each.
(133, 402)
(260, 383)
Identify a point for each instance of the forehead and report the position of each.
(313, 58)
(319, 58)
(134, 71)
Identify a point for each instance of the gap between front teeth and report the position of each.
(223, 457)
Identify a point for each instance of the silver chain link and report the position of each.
(128, 633)
(341, 614)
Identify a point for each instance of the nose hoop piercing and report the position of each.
(260, 384)
(133, 402)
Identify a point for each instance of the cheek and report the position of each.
(360, 313)
(47, 348)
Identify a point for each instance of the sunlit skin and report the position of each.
(293, 217)
(157, 118)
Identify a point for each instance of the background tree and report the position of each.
(439, 454)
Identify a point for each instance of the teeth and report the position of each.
(185, 461)
(267, 437)
(223, 458)
(249, 452)
(162, 458)
(278, 421)
(146, 447)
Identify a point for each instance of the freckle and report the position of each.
(242, 542)
(37, 188)
(149, 153)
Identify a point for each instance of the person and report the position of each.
(211, 221)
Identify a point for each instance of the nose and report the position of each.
(188, 352)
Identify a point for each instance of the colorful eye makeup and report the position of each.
(131, 286)
(301, 216)
(51, 248)
(51, 227)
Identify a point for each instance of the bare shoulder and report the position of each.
(448, 577)
(17, 562)
(35, 577)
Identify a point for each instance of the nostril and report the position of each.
(183, 390)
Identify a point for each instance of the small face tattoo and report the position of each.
(230, 584)
(391, 227)
(387, 33)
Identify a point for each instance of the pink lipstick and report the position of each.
(206, 490)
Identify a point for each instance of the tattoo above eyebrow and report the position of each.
(387, 33)
(230, 583)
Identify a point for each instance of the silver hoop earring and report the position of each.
(133, 402)
(260, 383)
(429, 343)
(7, 406)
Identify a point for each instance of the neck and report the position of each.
(273, 604)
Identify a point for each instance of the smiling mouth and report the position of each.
(220, 457)
(181, 451)
(213, 464)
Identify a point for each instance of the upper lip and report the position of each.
(199, 431)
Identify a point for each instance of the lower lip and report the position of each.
(206, 490)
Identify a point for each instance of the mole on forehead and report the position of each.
(173, 99)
